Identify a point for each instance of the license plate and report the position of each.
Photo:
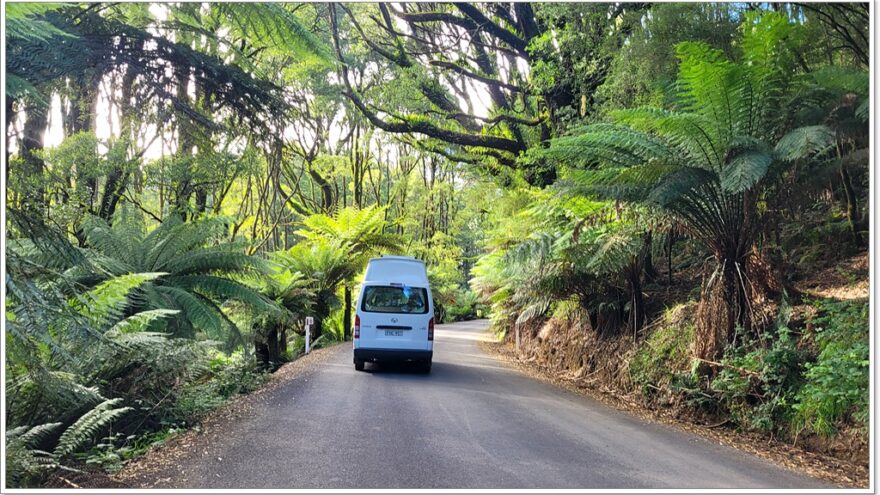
(394, 333)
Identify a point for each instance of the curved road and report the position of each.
(471, 423)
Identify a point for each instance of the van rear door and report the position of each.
(394, 316)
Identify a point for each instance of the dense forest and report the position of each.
(186, 183)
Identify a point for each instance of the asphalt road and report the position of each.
(471, 423)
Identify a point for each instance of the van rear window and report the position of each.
(391, 299)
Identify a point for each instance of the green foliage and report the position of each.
(756, 387)
(229, 376)
(26, 22)
(360, 231)
(836, 385)
(273, 26)
(777, 385)
(198, 266)
(30, 451)
(664, 355)
(85, 428)
(464, 307)
(682, 129)
(326, 264)
(331, 330)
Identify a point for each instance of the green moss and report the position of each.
(664, 353)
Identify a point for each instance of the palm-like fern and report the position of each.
(198, 267)
(839, 143)
(293, 293)
(358, 233)
(326, 264)
(704, 162)
(598, 266)
(362, 231)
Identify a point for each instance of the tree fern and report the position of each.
(198, 263)
(706, 162)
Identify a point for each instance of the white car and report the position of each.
(394, 320)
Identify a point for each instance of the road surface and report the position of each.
(471, 423)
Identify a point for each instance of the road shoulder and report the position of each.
(843, 474)
(160, 466)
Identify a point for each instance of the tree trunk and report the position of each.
(321, 311)
(267, 349)
(113, 189)
(724, 311)
(650, 271)
(852, 205)
(346, 318)
(282, 343)
(201, 200)
(10, 118)
(637, 302)
(117, 179)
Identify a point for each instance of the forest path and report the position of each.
(470, 423)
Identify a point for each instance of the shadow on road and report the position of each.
(392, 368)
(443, 374)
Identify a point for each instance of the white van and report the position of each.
(394, 320)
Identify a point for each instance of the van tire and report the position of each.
(359, 366)
(425, 367)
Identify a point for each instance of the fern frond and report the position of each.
(274, 26)
(174, 237)
(108, 299)
(23, 21)
(87, 426)
(220, 259)
(805, 142)
(102, 238)
(192, 308)
(678, 184)
(34, 435)
(223, 289)
(616, 251)
(745, 170)
(138, 322)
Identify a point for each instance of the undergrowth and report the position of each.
(783, 382)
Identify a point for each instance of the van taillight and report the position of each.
(357, 326)
(431, 329)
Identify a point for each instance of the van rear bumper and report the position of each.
(392, 355)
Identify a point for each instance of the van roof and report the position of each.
(397, 269)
